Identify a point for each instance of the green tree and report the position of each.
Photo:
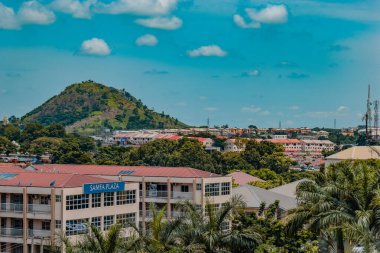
(6, 146)
(341, 202)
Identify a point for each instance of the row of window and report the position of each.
(80, 226)
(216, 189)
(81, 201)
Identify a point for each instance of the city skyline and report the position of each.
(303, 62)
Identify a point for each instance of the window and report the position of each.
(212, 189)
(108, 221)
(199, 187)
(96, 200)
(109, 198)
(226, 188)
(58, 224)
(45, 225)
(184, 188)
(126, 197)
(97, 222)
(44, 200)
(74, 202)
(76, 227)
(126, 218)
(58, 198)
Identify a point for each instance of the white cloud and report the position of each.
(239, 21)
(147, 40)
(340, 111)
(96, 47)
(76, 8)
(255, 109)
(8, 19)
(30, 12)
(342, 108)
(251, 108)
(138, 7)
(210, 50)
(211, 109)
(165, 23)
(253, 72)
(271, 14)
(294, 107)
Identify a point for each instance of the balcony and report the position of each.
(149, 214)
(37, 208)
(165, 194)
(39, 233)
(10, 207)
(19, 208)
(11, 232)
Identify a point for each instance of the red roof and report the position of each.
(290, 141)
(10, 168)
(56, 180)
(241, 178)
(111, 170)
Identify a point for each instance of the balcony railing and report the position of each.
(39, 233)
(11, 232)
(10, 207)
(38, 208)
(19, 208)
(165, 194)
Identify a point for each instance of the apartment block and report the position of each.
(40, 208)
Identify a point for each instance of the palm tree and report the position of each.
(211, 228)
(342, 201)
(108, 242)
(162, 235)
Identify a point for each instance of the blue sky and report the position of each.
(304, 62)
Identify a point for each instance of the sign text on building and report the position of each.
(103, 187)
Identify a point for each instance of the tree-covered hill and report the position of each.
(87, 106)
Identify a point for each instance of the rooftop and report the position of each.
(357, 152)
(48, 180)
(241, 178)
(288, 189)
(254, 196)
(137, 171)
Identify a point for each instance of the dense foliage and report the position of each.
(187, 152)
(342, 206)
(227, 229)
(88, 106)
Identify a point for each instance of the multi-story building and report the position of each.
(317, 146)
(161, 186)
(40, 208)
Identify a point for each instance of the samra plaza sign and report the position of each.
(103, 187)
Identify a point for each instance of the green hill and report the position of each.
(88, 106)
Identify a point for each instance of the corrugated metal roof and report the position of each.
(241, 178)
(253, 196)
(50, 180)
(148, 171)
(357, 152)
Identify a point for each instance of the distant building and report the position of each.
(354, 153)
(234, 145)
(317, 146)
(280, 136)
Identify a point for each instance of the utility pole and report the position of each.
(368, 115)
(376, 119)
